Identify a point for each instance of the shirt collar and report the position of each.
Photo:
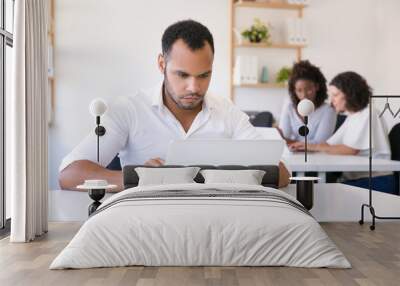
(157, 99)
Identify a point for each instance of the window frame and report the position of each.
(6, 39)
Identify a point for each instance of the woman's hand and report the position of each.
(297, 146)
(301, 146)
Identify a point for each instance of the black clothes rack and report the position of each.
(370, 204)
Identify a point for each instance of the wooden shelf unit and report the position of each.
(270, 5)
(51, 37)
(234, 4)
(262, 85)
(268, 45)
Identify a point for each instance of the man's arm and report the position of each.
(77, 172)
(283, 176)
(79, 164)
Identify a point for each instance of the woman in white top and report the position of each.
(307, 81)
(349, 93)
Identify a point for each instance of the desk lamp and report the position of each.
(305, 185)
(97, 108)
(97, 188)
(305, 108)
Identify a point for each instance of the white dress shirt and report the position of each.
(321, 123)
(140, 128)
(354, 133)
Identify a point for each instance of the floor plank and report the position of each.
(375, 257)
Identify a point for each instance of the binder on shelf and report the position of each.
(298, 2)
(245, 70)
(238, 76)
(253, 70)
(290, 31)
(303, 32)
(296, 32)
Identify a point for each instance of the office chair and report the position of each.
(115, 164)
(394, 140)
(260, 118)
(340, 120)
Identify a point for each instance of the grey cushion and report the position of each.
(165, 176)
(248, 177)
(270, 179)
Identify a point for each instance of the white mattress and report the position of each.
(189, 231)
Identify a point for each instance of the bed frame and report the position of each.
(131, 178)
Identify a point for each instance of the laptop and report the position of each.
(224, 152)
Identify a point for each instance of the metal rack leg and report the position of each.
(361, 221)
(374, 216)
(372, 211)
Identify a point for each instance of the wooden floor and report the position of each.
(375, 257)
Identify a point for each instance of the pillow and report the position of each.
(163, 176)
(249, 177)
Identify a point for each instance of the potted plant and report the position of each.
(283, 75)
(257, 32)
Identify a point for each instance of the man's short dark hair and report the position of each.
(304, 70)
(355, 89)
(194, 34)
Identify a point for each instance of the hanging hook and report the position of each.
(387, 107)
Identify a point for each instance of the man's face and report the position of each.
(187, 74)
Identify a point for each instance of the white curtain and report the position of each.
(28, 122)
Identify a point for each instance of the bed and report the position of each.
(201, 224)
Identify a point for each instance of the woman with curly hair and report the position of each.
(307, 81)
(349, 93)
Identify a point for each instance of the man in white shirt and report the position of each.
(140, 127)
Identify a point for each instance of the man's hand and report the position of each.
(155, 162)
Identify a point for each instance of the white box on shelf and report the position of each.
(303, 32)
(298, 2)
(291, 31)
(253, 70)
(298, 25)
(237, 71)
(245, 70)
(296, 32)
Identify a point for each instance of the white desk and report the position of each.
(332, 202)
(269, 133)
(322, 163)
(339, 202)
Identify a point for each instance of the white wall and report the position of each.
(109, 48)
(387, 55)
